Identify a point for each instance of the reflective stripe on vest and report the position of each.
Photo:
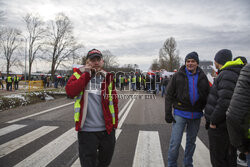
(111, 105)
(77, 105)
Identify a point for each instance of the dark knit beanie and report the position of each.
(192, 55)
(243, 59)
(223, 56)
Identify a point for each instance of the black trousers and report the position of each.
(96, 148)
(16, 85)
(9, 86)
(222, 153)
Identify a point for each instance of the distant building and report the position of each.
(206, 66)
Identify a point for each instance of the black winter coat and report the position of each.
(238, 116)
(220, 95)
(178, 92)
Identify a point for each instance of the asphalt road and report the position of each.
(43, 135)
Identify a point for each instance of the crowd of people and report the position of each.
(188, 97)
(58, 81)
(153, 83)
(227, 119)
(12, 82)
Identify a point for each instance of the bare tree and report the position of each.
(155, 65)
(36, 32)
(109, 59)
(61, 42)
(8, 44)
(169, 56)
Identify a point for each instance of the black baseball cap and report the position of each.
(94, 53)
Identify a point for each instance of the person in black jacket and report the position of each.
(222, 153)
(241, 157)
(187, 93)
(238, 115)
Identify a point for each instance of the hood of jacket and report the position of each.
(232, 65)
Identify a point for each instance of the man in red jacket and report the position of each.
(96, 111)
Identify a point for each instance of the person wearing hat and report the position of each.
(95, 111)
(222, 153)
(186, 94)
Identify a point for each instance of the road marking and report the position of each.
(123, 109)
(125, 115)
(76, 163)
(201, 155)
(117, 133)
(19, 142)
(42, 112)
(148, 150)
(10, 128)
(48, 153)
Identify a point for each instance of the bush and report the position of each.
(16, 100)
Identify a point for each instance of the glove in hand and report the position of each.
(169, 118)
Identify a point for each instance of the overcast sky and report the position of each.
(135, 30)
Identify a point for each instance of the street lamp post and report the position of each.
(25, 60)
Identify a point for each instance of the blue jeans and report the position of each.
(133, 86)
(162, 90)
(192, 128)
(248, 159)
(157, 89)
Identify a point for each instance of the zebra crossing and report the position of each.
(147, 151)
(17, 143)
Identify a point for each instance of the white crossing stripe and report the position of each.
(48, 153)
(76, 163)
(42, 112)
(148, 150)
(10, 128)
(201, 155)
(19, 142)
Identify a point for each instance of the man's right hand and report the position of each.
(169, 118)
(88, 67)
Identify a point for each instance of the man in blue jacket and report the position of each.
(187, 94)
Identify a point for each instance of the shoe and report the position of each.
(241, 162)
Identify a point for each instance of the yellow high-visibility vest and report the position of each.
(77, 104)
(9, 79)
(134, 80)
(122, 80)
